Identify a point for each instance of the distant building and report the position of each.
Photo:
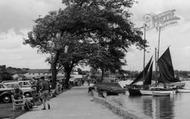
(37, 73)
(18, 76)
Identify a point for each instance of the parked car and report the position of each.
(5, 93)
(25, 83)
(110, 88)
(27, 90)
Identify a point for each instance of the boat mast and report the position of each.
(157, 51)
(160, 21)
(144, 50)
(159, 31)
(155, 60)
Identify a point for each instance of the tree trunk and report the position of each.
(67, 69)
(102, 76)
(67, 77)
(54, 69)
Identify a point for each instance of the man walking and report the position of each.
(45, 90)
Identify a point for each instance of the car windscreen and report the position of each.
(11, 85)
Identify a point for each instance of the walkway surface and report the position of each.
(72, 104)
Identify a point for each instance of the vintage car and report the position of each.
(110, 88)
(25, 83)
(26, 89)
(5, 93)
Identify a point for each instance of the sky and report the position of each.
(17, 18)
(177, 36)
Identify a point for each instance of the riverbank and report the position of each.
(116, 106)
(72, 104)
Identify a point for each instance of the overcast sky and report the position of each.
(17, 19)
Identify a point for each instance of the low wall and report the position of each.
(117, 109)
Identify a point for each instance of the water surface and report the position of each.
(164, 107)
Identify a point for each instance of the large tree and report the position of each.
(47, 38)
(77, 53)
(107, 59)
(86, 27)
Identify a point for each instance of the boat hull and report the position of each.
(163, 93)
(183, 90)
(134, 92)
(146, 92)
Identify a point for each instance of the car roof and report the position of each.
(25, 81)
(10, 82)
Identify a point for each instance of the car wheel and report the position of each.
(27, 95)
(6, 99)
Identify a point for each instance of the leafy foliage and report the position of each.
(97, 32)
(4, 74)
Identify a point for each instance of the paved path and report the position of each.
(72, 104)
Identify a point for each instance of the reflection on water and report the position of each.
(174, 107)
(147, 106)
(158, 107)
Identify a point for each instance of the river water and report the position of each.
(164, 107)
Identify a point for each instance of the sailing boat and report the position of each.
(145, 76)
(167, 71)
(147, 82)
(166, 76)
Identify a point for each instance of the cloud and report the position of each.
(16, 20)
(21, 13)
(10, 40)
(176, 36)
(14, 53)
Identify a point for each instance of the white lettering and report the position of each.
(160, 20)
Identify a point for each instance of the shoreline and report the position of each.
(117, 108)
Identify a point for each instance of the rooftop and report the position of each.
(39, 71)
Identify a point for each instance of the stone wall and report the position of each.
(117, 109)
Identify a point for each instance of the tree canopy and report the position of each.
(98, 32)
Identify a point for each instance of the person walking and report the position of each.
(45, 90)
